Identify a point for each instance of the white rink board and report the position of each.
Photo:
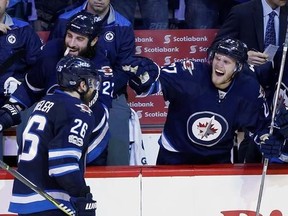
(211, 195)
(181, 196)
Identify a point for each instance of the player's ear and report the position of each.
(94, 41)
(82, 86)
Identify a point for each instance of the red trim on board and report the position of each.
(192, 170)
(205, 170)
(112, 171)
(7, 214)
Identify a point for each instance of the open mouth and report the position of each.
(219, 72)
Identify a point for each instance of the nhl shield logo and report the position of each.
(206, 128)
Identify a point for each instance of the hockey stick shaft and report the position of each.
(35, 188)
(272, 125)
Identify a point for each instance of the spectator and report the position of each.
(118, 42)
(215, 100)
(247, 22)
(252, 32)
(202, 14)
(154, 13)
(80, 39)
(55, 159)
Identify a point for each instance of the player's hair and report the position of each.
(234, 48)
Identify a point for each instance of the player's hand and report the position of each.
(84, 206)
(271, 146)
(256, 58)
(9, 116)
(4, 28)
(281, 120)
(144, 72)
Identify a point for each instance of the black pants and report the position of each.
(249, 152)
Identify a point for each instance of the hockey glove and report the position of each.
(271, 146)
(84, 206)
(9, 116)
(144, 72)
(10, 85)
(281, 120)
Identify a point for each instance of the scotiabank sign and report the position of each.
(166, 47)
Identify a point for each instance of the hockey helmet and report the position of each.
(86, 24)
(71, 70)
(234, 48)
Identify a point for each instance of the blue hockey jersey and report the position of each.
(52, 153)
(202, 119)
(42, 80)
(117, 40)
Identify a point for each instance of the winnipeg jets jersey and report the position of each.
(202, 119)
(52, 153)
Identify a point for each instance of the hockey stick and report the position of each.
(35, 188)
(272, 124)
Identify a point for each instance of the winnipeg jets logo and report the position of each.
(11, 39)
(109, 36)
(206, 128)
(84, 108)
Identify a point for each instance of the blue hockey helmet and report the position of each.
(85, 23)
(71, 70)
(234, 48)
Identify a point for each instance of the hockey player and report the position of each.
(81, 38)
(118, 42)
(208, 103)
(55, 142)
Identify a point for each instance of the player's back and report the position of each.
(57, 132)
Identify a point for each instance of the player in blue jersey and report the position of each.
(55, 142)
(19, 50)
(81, 38)
(208, 103)
(118, 42)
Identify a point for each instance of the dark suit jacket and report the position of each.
(245, 22)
